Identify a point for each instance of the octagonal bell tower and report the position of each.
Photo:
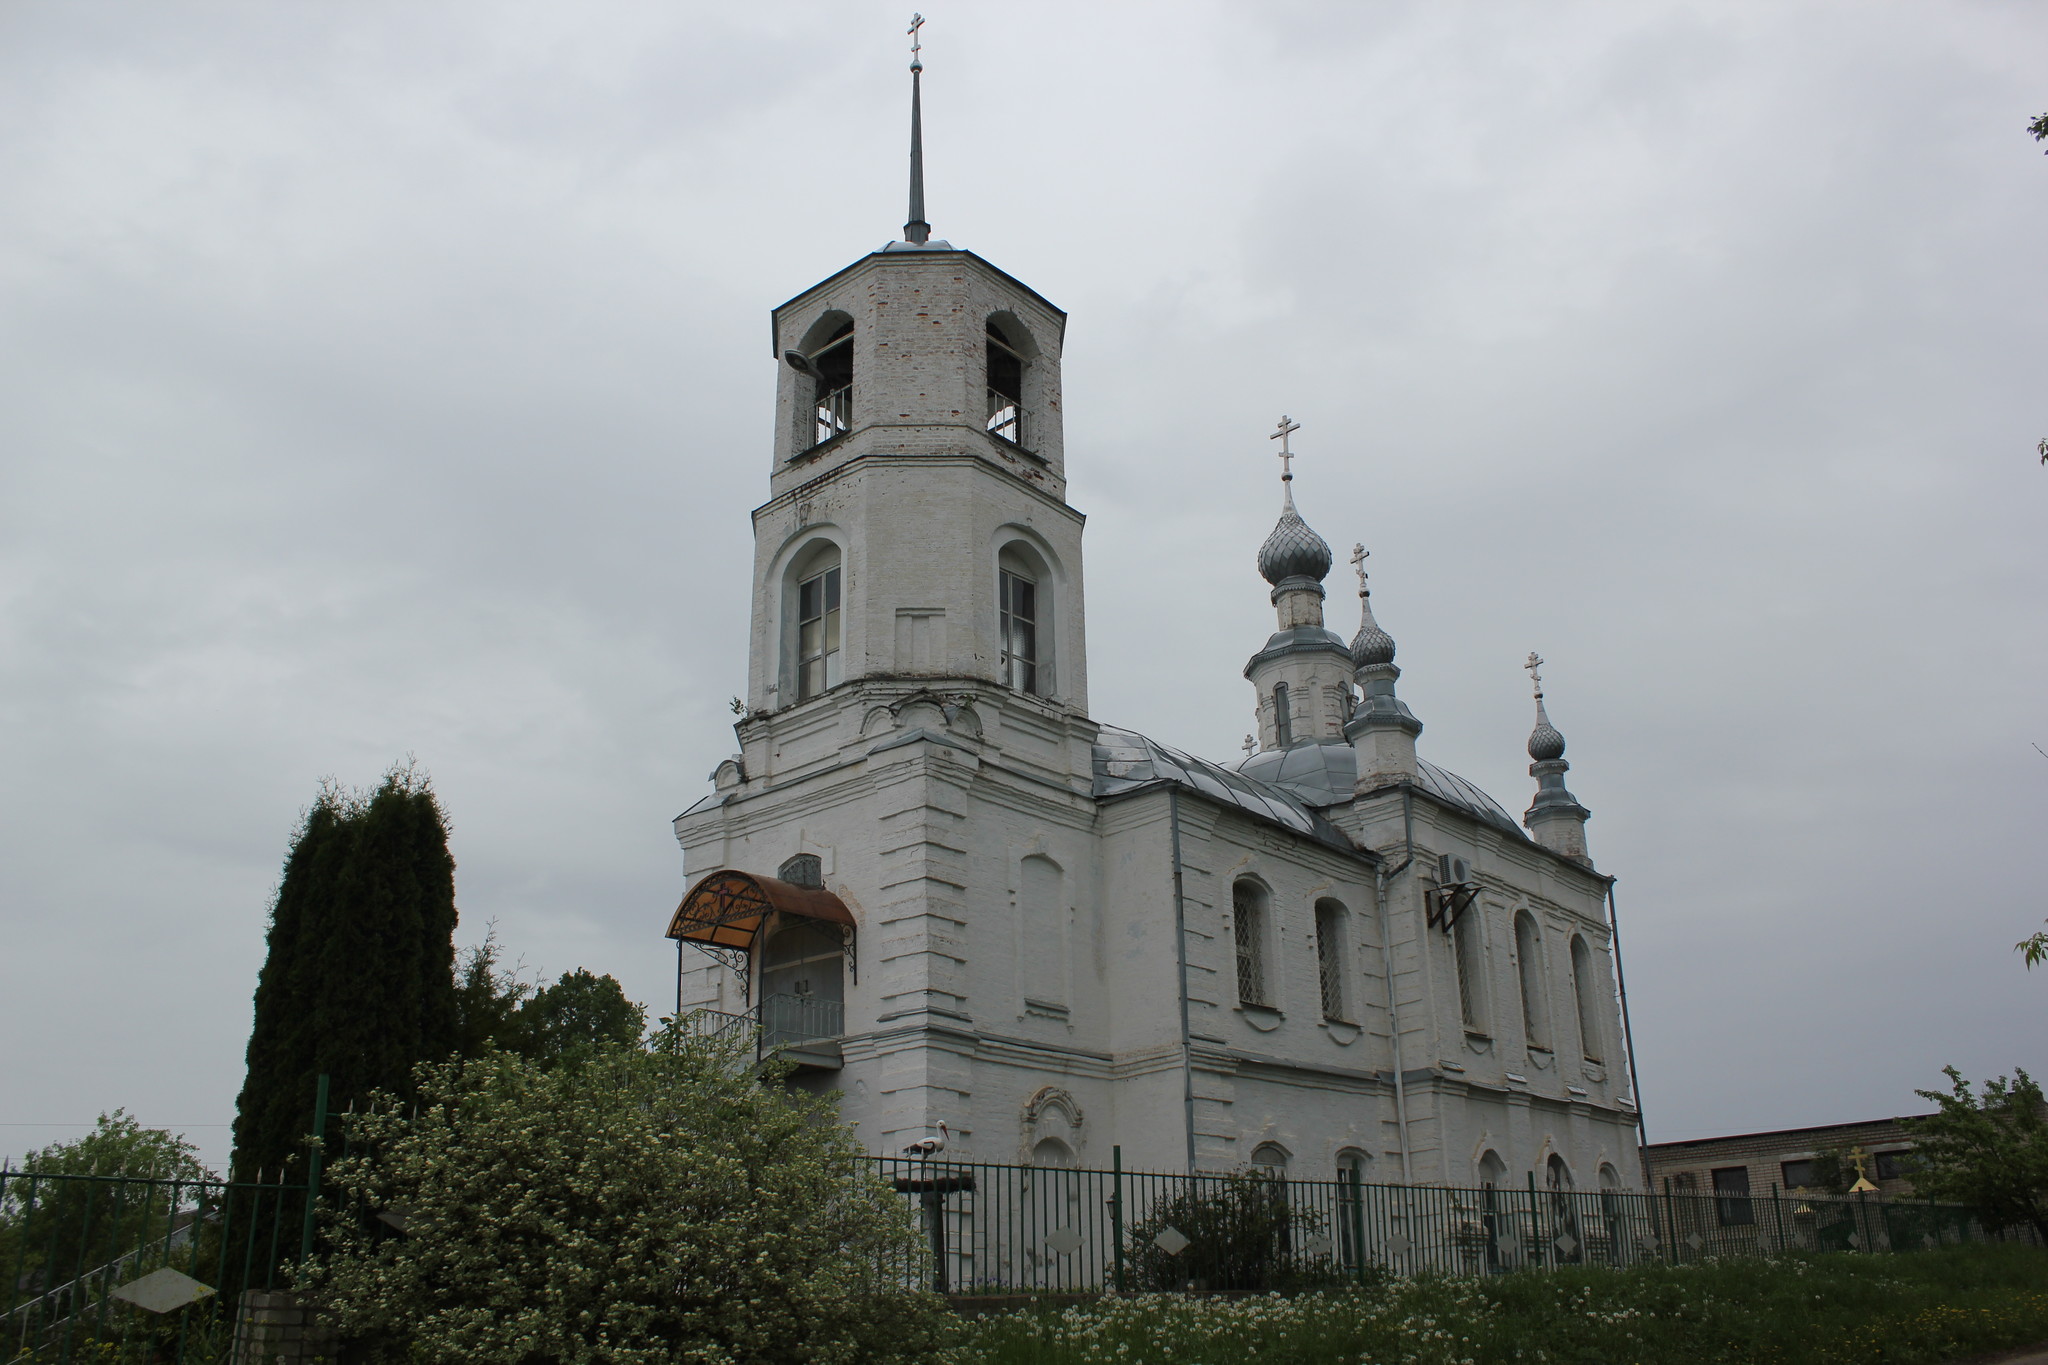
(917, 532)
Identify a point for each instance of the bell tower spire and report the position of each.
(916, 230)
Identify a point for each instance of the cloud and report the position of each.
(382, 380)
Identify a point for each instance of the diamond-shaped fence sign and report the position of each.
(1647, 1241)
(1927, 1240)
(1566, 1244)
(1318, 1246)
(1694, 1240)
(1170, 1241)
(1856, 1240)
(161, 1291)
(1065, 1242)
(1399, 1244)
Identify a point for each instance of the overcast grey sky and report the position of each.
(386, 377)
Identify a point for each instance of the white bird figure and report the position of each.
(928, 1146)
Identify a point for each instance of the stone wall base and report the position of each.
(273, 1328)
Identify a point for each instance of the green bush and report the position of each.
(636, 1206)
(1918, 1308)
(1240, 1231)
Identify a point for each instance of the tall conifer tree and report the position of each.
(358, 982)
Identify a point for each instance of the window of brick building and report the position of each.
(1895, 1165)
(1797, 1175)
(1731, 1197)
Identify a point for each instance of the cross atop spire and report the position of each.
(1288, 426)
(1535, 662)
(916, 230)
(1359, 554)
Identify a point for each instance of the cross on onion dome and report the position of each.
(1288, 426)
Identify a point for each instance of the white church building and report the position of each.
(947, 892)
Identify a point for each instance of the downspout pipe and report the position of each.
(1383, 878)
(1180, 946)
(1628, 1037)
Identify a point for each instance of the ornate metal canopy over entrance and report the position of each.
(726, 912)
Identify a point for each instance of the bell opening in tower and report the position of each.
(832, 369)
(1005, 388)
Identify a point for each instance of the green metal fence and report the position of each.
(112, 1269)
(997, 1229)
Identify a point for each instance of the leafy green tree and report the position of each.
(653, 1205)
(1989, 1151)
(497, 1008)
(488, 997)
(55, 1229)
(2039, 128)
(2035, 949)
(358, 981)
(580, 1013)
(1834, 1171)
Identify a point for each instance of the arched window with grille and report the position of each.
(1332, 952)
(805, 869)
(1269, 1158)
(1583, 994)
(1493, 1175)
(1248, 902)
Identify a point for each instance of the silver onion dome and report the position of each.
(1545, 743)
(1293, 550)
(1371, 646)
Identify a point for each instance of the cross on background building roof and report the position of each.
(916, 45)
(1288, 426)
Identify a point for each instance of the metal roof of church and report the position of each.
(1126, 761)
(1324, 774)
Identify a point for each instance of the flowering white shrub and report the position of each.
(644, 1206)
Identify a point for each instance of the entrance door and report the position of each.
(803, 984)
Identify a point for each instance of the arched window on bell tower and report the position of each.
(1024, 602)
(826, 359)
(1007, 347)
(815, 593)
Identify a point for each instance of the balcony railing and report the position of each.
(784, 1021)
(794, 1020)
(1005, 417)
(834, 415)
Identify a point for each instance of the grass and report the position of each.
(1919, 1308)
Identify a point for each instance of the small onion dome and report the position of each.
(1545, 743)
(1293, 550)
(1371, 646)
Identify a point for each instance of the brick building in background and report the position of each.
(1748, 1165)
